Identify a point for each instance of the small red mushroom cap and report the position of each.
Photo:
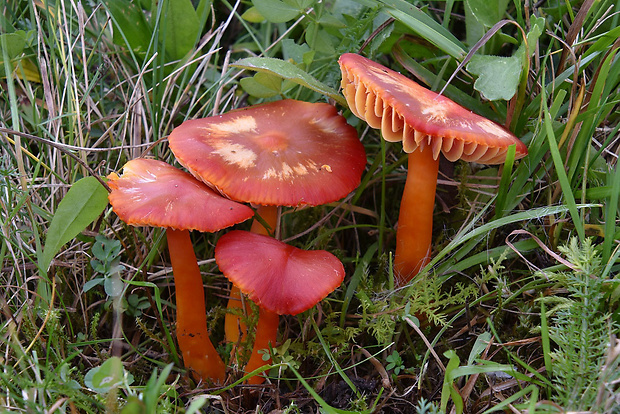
(276, 276)
(420, 118)
(153, 193)
(286, 153)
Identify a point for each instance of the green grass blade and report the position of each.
(331, 358)
(289, 71)
(514, 397)
(360, 269)
(502, 191)
(567, 192)
(425, 26)
(611, 212)
(544, 335)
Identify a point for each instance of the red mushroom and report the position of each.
(284, 153)
(427, 124)
(279, 278)
(276, 276)
(153, 193)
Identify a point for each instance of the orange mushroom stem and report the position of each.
(197, 350)
(415, 220)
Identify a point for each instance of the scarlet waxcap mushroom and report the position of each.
(154, 193)
(427, 124)
(285, 153)
(278, 277)
(419, 117)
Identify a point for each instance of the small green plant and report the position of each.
(580, 327)
(395, 362)
(106, 262)
(281, 355)
(426, 407)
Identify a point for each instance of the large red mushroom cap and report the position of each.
(420, 118)
(276, 276)
(286, 153)
(153, 193)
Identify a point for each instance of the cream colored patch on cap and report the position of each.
(436, 111)
(239, 125)
(493, 128)
(287, 172)
(235, 154)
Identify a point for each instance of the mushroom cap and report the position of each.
(153, 193)
(276, 276)
(420, 118)
(286, 153)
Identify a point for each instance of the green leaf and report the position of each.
(318, 39)
(498, 77)
(109, 375)
(538, 26)
(277, 11)
(252, 15)
(84, 202)
(289, 71)
(180, 28)
(14, 44)
(479, 346)
(131, 28)
(486, 12)
(448, 384)
(262, 85)
(293, 51)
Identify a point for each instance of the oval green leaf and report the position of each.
(84, 202)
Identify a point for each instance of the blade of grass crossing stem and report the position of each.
(611, 211)
(331, 358)
(521, 394)
(492, 254)
(360, 269)
(532, 214)
(544, 336)
(326, 408)
(567, 191)
(512, 357)
(504, 183)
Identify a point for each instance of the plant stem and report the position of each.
(199, 354)
(415, 220)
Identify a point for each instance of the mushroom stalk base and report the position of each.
(415, 221)
(199, 354)
(266, 333)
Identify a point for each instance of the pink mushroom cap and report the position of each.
(154, 193)
(419, 117)
(286, 153)
(276, 276)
